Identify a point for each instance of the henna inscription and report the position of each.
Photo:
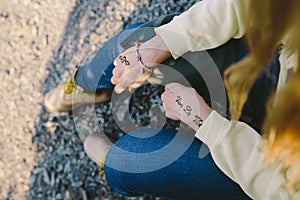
(124, 60)
(188, 110)
(198, 121)
(179, 101)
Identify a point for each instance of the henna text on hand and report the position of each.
(124, 60)
(188, 111)
(179, 101)
(198, 121)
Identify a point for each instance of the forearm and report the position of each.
(198, 116)
(208, 24)
(155, 51)
(235, 148)
(185, 104)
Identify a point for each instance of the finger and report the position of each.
(114, 80)
(164, 96)
(137, 84)
(132, 78)
(131, 90)
(118, 66)
(169, 86)
(175, 88)
(134, 86)
(168, 93)
(119, 89)
(173, 85)
(116, 73)
(121, 86)
(115, 63)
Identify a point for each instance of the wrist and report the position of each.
(196, 122)
(159, 51)
(157, 43)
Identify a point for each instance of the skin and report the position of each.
(180, 102)
(185, 104)
(125, 75)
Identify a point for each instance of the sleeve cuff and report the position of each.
(213, 129)
(175, 41)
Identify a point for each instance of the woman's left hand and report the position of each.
(185, 104)
(127, 72)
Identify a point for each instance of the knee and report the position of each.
(124, 162)
(115, 167)
(117, 176)
(120, 182)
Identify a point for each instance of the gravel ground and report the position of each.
(41, 41)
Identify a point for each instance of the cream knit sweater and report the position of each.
(209, 24)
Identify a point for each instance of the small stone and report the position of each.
(77, 184)
(43, 41)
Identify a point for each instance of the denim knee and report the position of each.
(124, 181)
(117, 181)
(133, 167)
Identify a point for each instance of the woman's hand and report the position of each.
(185, 104)
(127, 72)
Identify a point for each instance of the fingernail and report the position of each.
(130, 90)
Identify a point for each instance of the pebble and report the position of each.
(43, 40)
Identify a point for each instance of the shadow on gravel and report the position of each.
(62, 169)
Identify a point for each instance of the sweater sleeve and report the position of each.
(236, 151)
(206, 25)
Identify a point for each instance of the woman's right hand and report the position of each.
(127, 72)
(185, 104)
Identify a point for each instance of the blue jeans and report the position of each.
(96, 75)
(189, 176)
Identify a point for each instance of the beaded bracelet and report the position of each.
(144, 68)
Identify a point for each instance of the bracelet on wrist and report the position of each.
(144, 68)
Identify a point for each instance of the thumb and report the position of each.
(120, 87)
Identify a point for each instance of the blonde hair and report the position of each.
(282, 131)
(271, 21)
